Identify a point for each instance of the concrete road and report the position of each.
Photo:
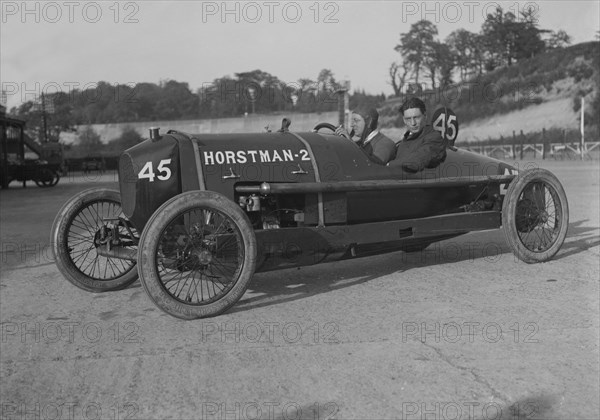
(462, 330)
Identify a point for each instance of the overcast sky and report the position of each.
(65, 44)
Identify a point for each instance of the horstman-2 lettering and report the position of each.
(253, 156)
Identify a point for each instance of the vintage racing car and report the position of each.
(197, 216)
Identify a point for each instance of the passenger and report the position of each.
(364, 133)
(422, 146)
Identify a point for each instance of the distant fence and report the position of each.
(523, 146)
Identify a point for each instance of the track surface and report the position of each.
(460, 331)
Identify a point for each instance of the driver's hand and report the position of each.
(341, 131)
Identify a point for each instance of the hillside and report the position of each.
(542, 92)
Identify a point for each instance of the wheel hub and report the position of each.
(529, 216)
(204, 257)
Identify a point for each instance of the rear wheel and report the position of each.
(535, 215)
(47, 178)
(77, 232)
(197, 255)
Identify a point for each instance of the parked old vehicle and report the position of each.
(44, 174)
(197, 216)
(93, 164)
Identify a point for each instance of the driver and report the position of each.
(363, 125)
(422, 146)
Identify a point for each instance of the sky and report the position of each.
(46, 46)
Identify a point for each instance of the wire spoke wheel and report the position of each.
(77, 232)
(535, 215)
(198, 255)
(198, 261)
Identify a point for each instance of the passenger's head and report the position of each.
(363, 121)
(414, 114)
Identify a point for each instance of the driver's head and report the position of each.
(414, 114)
(363, 121)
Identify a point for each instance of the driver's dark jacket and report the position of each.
(425, 149)
(380, 149)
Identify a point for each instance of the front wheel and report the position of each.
(77, 232)
(535, 215)
(197, 255)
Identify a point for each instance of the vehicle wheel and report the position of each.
(535, 215)
(74, 232)
(56, 178)
(47, 178)
(197, 255)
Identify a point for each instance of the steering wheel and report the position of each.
(324, 125)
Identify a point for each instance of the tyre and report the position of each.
(47, 178)
(535, 215)
(197, 255)
(75, 235)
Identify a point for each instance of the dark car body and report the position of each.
(231, 164)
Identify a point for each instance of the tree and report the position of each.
(176, 101)
(89, 140)
(478, 54)
(143, 101)
(499, 38)
(463, 45)
(509, 39)
(326, 79)
(439, 62)
(129, 137)
(417, 44)
(307, 94)
(220, 98)
(326, 85)
(260, 91)
(360, 98)
(397, 77)
(528, 40)
(55, 108)
(558, 39)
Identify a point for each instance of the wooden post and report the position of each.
(22, 150)
(582, 145)
(344, 104)
(514, 152)
(4, 145)
(522, 144)
(544, 143)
